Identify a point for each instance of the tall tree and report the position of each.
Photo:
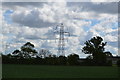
(95, 46)
(28, 50)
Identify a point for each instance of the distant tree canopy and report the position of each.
(16, 52)
(28, 50)
(73, 59)
(28, 55)
(95, 46)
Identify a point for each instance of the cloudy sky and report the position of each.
(36, 22)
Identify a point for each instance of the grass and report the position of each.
(44, 71)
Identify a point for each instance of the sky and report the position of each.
(35, 22)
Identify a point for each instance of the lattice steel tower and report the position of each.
(61, 43)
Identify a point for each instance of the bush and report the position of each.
(109, 63)
(118, 63)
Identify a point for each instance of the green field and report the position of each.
(43, 71)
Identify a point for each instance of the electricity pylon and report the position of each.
(61, 42)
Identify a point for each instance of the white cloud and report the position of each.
(31, 18)
(104, 0)
(114, 50)
(38, 22)
(111, 38)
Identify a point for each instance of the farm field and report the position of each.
(46, 71)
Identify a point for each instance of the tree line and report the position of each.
(28, 55)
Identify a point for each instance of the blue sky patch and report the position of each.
(93, 22)
(7, 16)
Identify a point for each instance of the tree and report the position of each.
(62, 60)
(28, 50)
(89, 57)
(118, 63)
(17, 54)
(73, 59)
(95, 46)
(108, 54)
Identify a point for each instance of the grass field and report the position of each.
(43, 71)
